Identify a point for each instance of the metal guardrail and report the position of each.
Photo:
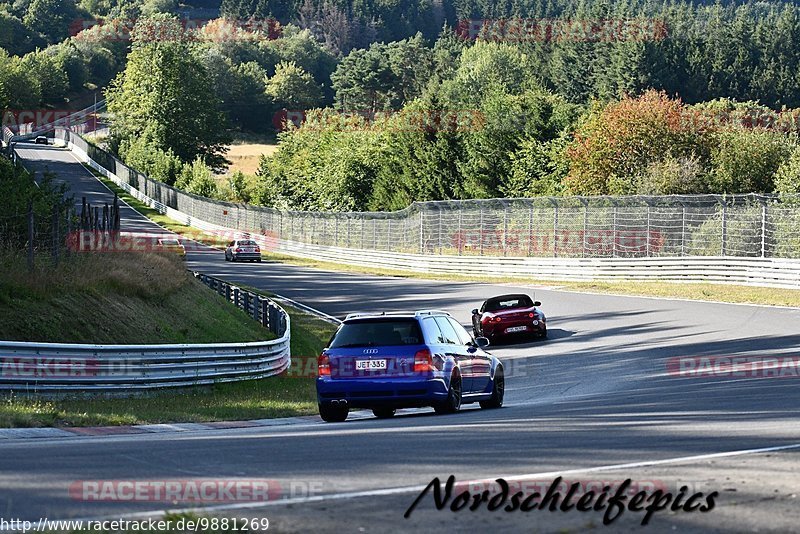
(262, 309)
(740, 220)
(123, 369)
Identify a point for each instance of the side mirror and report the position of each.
(482, 342)
(537, 303)
(475, 311)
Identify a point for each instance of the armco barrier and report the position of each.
(120, 369)
(746, 270)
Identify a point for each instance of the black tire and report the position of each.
(333, 414)
(453, 402)
(259, 260)
(383, 413)
(498, 391)
(543, 335)
(226, 257)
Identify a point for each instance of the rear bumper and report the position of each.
(246, 255)
(497, 331)
(370, 393)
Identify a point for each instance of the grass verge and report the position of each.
(692, 291)
(108, 298)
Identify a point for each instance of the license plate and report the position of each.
(516, 329)
(370, 365)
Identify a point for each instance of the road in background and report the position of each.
(596, 393)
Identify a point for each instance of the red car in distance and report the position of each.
(509, 315)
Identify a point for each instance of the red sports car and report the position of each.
(509, 315)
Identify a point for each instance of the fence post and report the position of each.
(440, 228)
(388, 233)
(480, 229)
(30, 235)
(421, 234)
(585, 225)
(530, 227)
(614, 233)
(555, 227)
(459, 234)
(647, 234)
(349, 223)
(505, 229)
(764, 215)
(724, 227)
(56, 231)
(683, 230)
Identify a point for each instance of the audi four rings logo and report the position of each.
(370, 351)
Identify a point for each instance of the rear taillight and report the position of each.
(423, 361)
(324, 365)
(238, 249)
(258, 249)
(531, 315)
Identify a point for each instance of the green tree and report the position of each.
(293, 88)
(166, 92)
(51, 18)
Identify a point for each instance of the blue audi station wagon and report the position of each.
(384, 362)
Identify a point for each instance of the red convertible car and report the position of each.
(509, 315)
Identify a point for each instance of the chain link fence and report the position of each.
(592, 227)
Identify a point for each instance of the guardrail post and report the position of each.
(236, 296)
(264, 313)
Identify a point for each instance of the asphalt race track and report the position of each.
(596, 394)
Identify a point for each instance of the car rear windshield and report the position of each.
(247, 243)
(377, 333)
(169, 242)
(505, 303)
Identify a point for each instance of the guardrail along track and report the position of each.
(748, 239)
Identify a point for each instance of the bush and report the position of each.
(197, 178)
(745, 161)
